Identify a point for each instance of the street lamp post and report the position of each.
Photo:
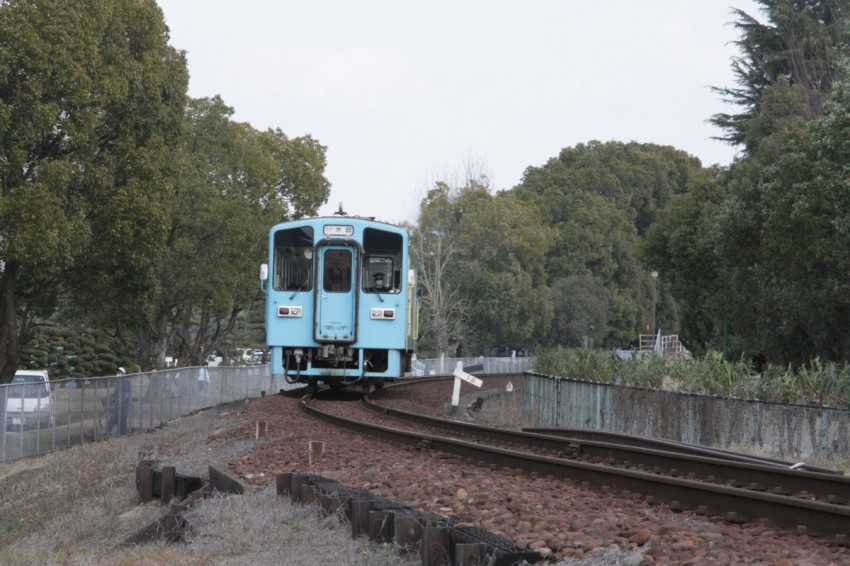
(654, 281)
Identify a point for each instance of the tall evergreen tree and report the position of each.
(781, 233)
(91, 106)
(797, 47)
(753, 249)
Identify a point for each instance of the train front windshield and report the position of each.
(293, 259)
(338, 271)
(382, 264)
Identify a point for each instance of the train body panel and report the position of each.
(340, 300)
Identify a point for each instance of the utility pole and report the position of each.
(654, 300)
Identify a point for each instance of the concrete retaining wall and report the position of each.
(791, 432)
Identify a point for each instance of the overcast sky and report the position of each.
(405, 93)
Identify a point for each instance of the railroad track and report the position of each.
(799, 500)
(644, 442)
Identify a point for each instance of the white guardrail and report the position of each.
(445, 366)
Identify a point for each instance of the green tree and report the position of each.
(582, 306)
(796, 48)
(756, 249)
(791, 269)
(445, 320)
(481, 267)
(763, 247)
(681, 246)
(232, 184)
(637, 179)
(502, 244)
(601, 199)
(91, 104)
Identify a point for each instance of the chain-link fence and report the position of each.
(83, 410)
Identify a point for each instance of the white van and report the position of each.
(28, 403)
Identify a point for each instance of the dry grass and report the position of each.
(78, 506)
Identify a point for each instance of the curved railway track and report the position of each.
(672, 446)
(732, 487)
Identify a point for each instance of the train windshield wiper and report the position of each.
(298, 290)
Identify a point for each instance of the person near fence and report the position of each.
(119, 403)
(183, 383)
(155, 387)
(203, 378)
(162, 385)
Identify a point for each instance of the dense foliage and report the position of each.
(752, 258)
(554, 260)
(91, 105)
(600, 198)
(232, 183)
(821, 384)
(489, 252)
(75, 352)
(761, 249)
(124, 205)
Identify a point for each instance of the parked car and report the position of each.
(257, 357)
(250, 356)
(28, 400)
(508, 353)
(245, 355)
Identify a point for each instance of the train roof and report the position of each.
(361, 221)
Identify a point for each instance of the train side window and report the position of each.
(337, 276)
(293, 259)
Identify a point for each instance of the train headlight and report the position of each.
(383, 314)
(289, 311)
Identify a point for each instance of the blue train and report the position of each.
(341, 305)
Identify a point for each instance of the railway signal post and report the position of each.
(462, 375)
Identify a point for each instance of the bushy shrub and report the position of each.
(75, 352)
(818, 383)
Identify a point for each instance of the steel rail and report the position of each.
(672, 446)
(729, 502)
(755, 475)
(638, 441)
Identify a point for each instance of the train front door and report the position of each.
(336, 300)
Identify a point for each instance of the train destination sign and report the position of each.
(338, 230)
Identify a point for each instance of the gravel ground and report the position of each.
(562, 522)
